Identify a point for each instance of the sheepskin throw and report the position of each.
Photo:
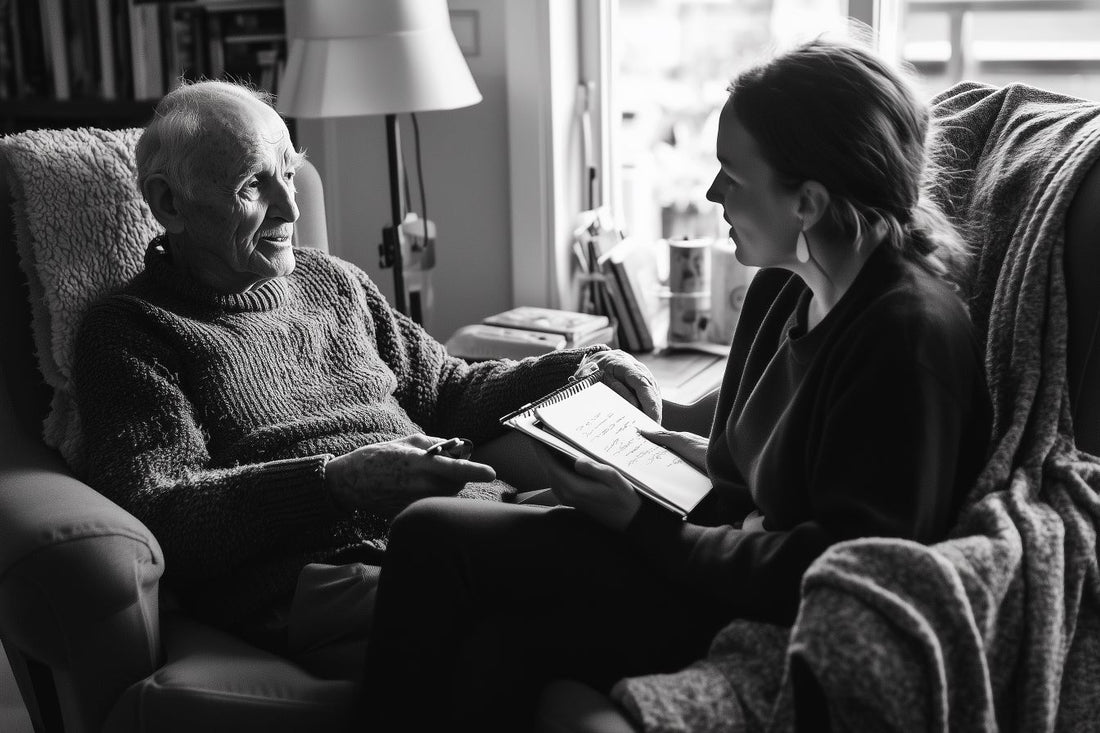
(81, 230)
(998, 627)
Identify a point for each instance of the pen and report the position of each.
(451, 447)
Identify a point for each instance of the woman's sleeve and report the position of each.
(886, 464)
(145, 450)
(447, 396)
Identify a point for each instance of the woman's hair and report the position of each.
(182, 117)
(835, 113)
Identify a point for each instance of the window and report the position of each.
(659, 69)
(672, 60)
(1052, 44)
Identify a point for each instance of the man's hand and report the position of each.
(630, 378)
(689, 446)
(387, 477)
(592, 488)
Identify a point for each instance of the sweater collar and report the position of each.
(264, 297)
(880, 271)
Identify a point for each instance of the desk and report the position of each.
(684, 376)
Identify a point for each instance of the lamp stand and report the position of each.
(390, 249)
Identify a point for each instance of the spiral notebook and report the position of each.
(588, 419)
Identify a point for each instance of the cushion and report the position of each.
(212, 681)
(81, 231)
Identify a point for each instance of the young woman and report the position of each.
(853, 405)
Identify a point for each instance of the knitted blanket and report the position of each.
(81, 230)
(998, 627)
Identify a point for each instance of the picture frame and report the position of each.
(466, 25)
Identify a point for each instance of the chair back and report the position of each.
(1082, 263)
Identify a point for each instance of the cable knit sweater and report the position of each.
(211, 417)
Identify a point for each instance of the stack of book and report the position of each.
(529, 331)
(136, 49)
(625, 297)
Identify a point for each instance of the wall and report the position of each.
(465, 161)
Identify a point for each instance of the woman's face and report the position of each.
(762, 213)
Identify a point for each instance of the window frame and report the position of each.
(552, 47)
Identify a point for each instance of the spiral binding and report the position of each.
(557, 395)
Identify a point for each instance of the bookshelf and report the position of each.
(105, 63)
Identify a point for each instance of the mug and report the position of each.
(689, 265)
(728, 285)
(688, 317)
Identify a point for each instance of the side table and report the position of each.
(684, 375)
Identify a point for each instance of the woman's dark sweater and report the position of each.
(873, 423)
(211, 417)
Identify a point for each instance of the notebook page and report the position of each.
(605, 425)
(529, 425)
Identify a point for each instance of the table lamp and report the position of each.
(376, 57)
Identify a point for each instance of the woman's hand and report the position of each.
(689, 446)
(387, 477)
(627, 376)
(594, 489)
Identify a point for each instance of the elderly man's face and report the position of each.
(239, 222)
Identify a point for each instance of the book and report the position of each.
(215, 49)
(628, 332)
(588, 419)
(608, 308)
(108, 78)
(618, 264)
(570, 324)
(53, 22)
(482, 341)
(616, 310)
(247, 42)
(146, 51)
(81, 49)
(30, 47)
(7, 51)
(186, 48)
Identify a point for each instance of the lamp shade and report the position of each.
(371, 57)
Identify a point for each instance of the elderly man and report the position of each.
(262, 408)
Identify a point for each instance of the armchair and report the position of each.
(1028, 180)
(92, 642)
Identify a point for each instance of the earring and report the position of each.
(802, 248)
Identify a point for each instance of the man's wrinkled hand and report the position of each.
(387, 477)
(627, 376)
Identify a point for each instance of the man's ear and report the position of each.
(813, 202)
(163, 200)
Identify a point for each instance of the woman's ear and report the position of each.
(162, 200)
(813, 202)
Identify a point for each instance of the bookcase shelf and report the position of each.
(106, 63)
(33, 113)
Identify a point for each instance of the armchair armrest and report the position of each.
(78, 580)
